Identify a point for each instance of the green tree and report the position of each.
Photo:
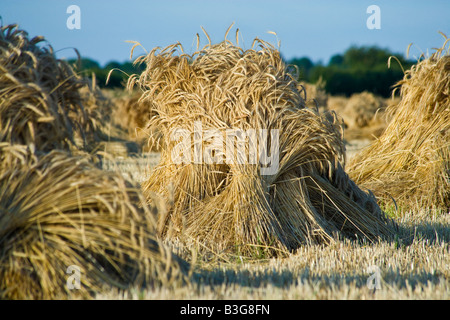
(117, 78)
(84, 64)
(304, 65)
(359, 69)
(336, 60)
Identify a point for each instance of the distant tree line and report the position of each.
(356, 70)
(118, 77)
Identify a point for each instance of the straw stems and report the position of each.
(408, 166)
(236, 205)
(58, 212)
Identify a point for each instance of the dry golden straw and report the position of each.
(233, 206)
(314, 94)
(133, 116)
(363, 110)
(410, 162)
(58, 211)
(43, 102)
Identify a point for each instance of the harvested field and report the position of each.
(307, 232)
(415, 265)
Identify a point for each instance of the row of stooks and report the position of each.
(58, 209)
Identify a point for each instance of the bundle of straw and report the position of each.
(362, 110)
(410, 162)
(43, 103)
(231, 204)
(60, 213)
(315, 94)
(133, 116)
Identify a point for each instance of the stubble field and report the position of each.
(414, 266)
(357, 207)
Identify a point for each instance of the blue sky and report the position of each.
(317, 29)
